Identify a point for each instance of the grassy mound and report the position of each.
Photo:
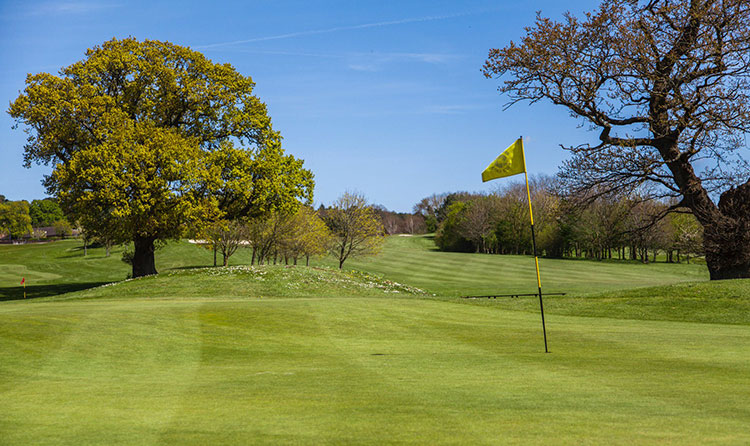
(241, 282)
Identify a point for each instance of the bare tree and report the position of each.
(415, 223)
(391, 222)
(479, 222)
(666, 83)
(355, 228)
(428, 208)
(515, 236)
(688, 235)
(225, 237)
(307, 235)
(265, 235)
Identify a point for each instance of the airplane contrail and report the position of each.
(338, 28)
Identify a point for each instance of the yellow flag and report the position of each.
(510, 162)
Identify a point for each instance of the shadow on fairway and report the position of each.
(432, 239)
(35, 291)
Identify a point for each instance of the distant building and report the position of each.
(49, 230)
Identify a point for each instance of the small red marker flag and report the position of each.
(23, 280)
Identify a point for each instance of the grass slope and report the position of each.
(60, 267)
(277, 355)
(414, 260)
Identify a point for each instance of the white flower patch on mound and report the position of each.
(300, 278)
(366, 280)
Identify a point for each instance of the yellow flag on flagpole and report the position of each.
(510, 162)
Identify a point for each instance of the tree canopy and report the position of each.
(14, 219)
(149, 138)
(45, 212)
(666, 83)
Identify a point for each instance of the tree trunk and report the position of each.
(226, 259)
(727, 241)
(143, 257)
(214, 254)
(726, 227)
(307, 260)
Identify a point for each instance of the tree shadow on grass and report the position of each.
(36, 291)
(70, 254)
(434, 247)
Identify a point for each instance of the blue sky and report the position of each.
(385, 98)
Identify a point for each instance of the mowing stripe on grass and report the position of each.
(365, 371)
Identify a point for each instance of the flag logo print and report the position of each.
(510, 162)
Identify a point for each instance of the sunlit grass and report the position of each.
(296, 355)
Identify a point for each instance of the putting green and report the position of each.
(11, 275)
(362, 371)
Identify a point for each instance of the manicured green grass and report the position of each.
(414, 260)
(59, 267)
(723, 302)
(295, 355)
(362, 370)
(54, 268)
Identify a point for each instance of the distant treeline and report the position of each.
(21, 220)
(598, 227)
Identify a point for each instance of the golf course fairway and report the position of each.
(311, 355)
(364, 370)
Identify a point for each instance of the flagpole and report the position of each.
(533, 244)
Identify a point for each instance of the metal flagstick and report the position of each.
(533, 243)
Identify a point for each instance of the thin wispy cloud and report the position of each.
(71, 7)
(337, 29)
(358, 61)
(283, 53)
(380, 56)
(376, 61)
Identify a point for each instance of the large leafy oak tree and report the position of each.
(666, 83)
(148, 139)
